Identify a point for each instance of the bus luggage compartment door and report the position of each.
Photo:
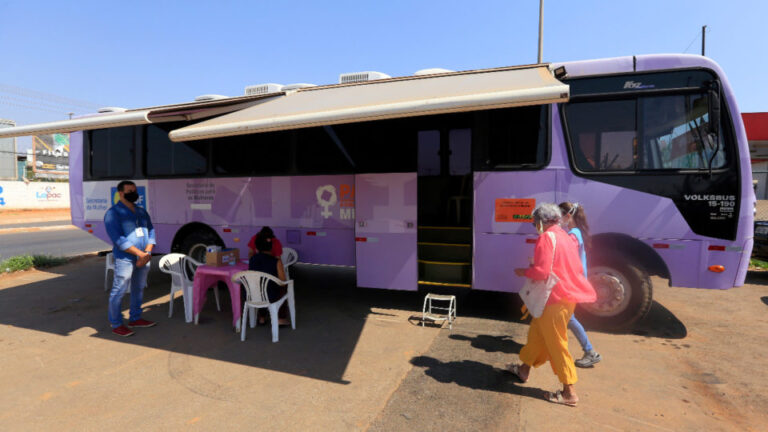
(385, 231)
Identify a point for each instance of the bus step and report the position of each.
(431, 251)
(453, 235)
(445, 284)
(445, 271)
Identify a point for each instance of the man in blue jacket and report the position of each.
(133, 236)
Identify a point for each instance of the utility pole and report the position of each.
(703, 38)
(70, 115)
(541, 30)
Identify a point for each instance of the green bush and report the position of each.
(26, 262)
(754, 262)
(17, 263)
(43, 261)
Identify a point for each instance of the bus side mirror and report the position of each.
(714, 108)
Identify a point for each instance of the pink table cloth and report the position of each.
(206, 276)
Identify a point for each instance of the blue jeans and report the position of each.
(126, 275)
(581, 335)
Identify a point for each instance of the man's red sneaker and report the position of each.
(122, 331)
(141, 323)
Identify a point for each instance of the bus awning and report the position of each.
(167, 113)
(99, 121)
(388, 98)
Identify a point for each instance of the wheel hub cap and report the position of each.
(610, 293)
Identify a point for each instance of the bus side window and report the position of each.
(112, 153)
(429, 152)
(383, 146)
(261, 154)
(460, 148)
(166, 158)
(510, 138)
(321, 150)
(603, 134)
(676, 127)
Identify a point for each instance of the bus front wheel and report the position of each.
(624, 294)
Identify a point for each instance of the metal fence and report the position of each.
(762, 210)
(760, 183)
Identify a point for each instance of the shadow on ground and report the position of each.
(331, 313)
(474, 375)
(491, 344)
(757, 278)
(660, 322)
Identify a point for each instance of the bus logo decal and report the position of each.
(141, 202)
(634, 85)
(324, 202)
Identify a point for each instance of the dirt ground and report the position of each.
(12, 216)
(358, 360)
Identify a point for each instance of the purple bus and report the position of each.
(429, 180)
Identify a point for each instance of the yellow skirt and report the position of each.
(548, 340)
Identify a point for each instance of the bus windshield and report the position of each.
(645, 133)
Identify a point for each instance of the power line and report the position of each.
(695, 38)
(59, 100)
(692, 41)
(16, 99)
(33, 107)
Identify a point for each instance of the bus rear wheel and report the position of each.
(624, 294)
(194, 244)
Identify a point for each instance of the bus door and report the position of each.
(445, 205)
(385, 231)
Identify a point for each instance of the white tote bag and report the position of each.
(535, 293)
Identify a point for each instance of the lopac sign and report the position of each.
(48, 193)
(20, 195)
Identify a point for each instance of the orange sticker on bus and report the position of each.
(515, 209)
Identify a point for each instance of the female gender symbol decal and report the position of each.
(325, 203)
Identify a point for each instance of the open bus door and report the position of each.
(385, 231)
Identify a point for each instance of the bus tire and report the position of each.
(194, 243)
(625, 294)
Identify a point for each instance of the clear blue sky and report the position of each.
(60, 56)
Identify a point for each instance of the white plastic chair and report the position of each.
(182, 269)
(109, 264)
(255, 284)
(289, 258)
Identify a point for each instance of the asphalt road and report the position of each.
(66, 242)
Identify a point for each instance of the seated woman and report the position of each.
(277, 247)
(264, 261)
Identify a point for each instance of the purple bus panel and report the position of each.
(386, 231)
(312, 214)
(76, 179)
(500, 246)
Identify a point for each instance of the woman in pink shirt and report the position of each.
(548, 334)
(277, 247)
